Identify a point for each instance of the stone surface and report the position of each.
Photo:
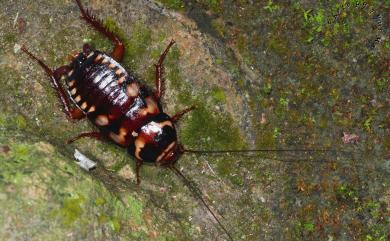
(263, 74)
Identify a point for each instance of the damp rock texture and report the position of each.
(298, 75)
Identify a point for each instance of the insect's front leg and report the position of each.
(72, 113)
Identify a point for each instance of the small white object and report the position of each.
(17, 48)
(16, 19)
(83, 161)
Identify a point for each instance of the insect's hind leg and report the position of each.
(138, 165)
(119, 48)
(72, 113)
(160, 72)
(93, 134)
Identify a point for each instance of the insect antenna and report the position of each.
(198, 194)
(323, 154)
(257, 150)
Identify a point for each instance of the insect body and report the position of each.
(124, 111)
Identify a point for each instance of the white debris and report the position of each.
(17, 48)
(16, 19)
(83, 161)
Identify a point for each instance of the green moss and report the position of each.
(265, 137)
(368, 123)
(267, 88)
(72, 209)
(271, 6)
(213, 5)
(346, 193)
(278, 46)
(284, 102)
(381, 84)
(218, 95)
(10, 38)
(386, 144)
(135, 209)
(3, 120)
(206, 131)
(20, 122)
(115, 225)
(100, 201)
(224, 167)
(173, 4)
(309, 226)
(219, 27)
(173, 73)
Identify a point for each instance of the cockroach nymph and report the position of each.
(125, 112)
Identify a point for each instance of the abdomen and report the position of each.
(112, 99)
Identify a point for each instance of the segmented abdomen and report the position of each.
(110, 97)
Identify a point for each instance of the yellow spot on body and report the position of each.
(70, 72)
(119, 138)
(118, 72)
(71, 83)
(151, 107)
(121, 80)
(105, 61)
(135, 134)
(101, 120)
(73, 91)
(166, 151)
(139, 144)
(78, 98)
(90, 55)
(92, 109)
(132, 90)
(112, 65)
(84, 105)
(98, 58)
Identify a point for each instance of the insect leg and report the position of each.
(160, 71)
(138, 165)
(72, 113)
(119, 48)
(177, 116)
(87, 49)
(93, 134)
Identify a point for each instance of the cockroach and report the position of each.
(125, 111)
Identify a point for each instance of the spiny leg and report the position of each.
(177, 116)
(72, 113)
(160, 71)
(93, 134)
(119, 48)
(138, 165)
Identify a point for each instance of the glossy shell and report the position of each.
(125, 111)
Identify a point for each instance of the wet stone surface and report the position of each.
(263, 74)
